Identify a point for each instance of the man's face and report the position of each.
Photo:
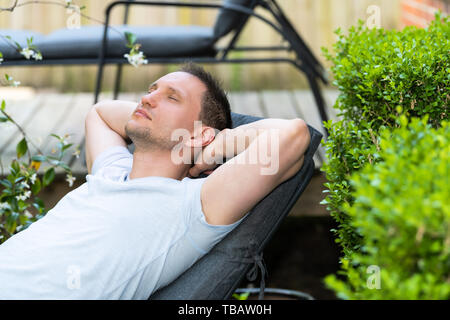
(172, 102)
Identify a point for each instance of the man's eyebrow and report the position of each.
(172, 89)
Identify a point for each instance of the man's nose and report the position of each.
(149, 100)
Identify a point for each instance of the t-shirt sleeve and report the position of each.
(117, 156)
(202, 235)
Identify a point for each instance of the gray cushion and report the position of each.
(170, 41)
(227, 19)
(217, 274)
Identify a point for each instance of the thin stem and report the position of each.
(23, 133)
(10, 8)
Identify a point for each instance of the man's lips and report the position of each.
(142, 113)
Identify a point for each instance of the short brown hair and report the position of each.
(215, 110)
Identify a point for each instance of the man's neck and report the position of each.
(156, 163)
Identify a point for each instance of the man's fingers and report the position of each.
(196, 170)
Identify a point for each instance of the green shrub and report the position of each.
(377, 70)
(348, 148)
(380, 74)
(401, 210)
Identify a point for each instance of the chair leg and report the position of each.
(117, 83)
(98, 86)
(319, 99)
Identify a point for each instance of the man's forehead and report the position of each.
(182, 79)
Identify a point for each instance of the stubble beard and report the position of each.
(146, 140)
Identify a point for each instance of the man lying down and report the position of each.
(141, 219)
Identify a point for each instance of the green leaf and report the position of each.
(39, 158)
(36, 187)
(131, 38)
(64, 166)
(49, 176)
(6, 183)
(15, 166)
(19, 47)
(3, 105)
(11, 222)
(19, 179)
(65, 147)
(4, 119)
(56, 136)
(21, 148)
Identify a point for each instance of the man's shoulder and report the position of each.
(115, 156)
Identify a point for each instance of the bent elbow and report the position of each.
(301, 130)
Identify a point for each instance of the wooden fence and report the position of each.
(315, 20)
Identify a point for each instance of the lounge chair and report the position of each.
(217, 275)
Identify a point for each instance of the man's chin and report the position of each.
(137, 131)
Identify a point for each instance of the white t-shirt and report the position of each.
(111, 238)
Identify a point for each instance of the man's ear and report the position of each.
(202, 137)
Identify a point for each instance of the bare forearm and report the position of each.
(116, 113)
(234, 141)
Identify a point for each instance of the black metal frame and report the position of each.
(304, 61)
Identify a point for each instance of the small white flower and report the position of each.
(4, 205)
(33, 178)
(28, 214)
(70, 179)
(25, 196)
(25, 185)
(1, 60)
(27, 53)
(136, 59)
(37, 56)
(15, 83)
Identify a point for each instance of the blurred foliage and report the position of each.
(401, 211)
